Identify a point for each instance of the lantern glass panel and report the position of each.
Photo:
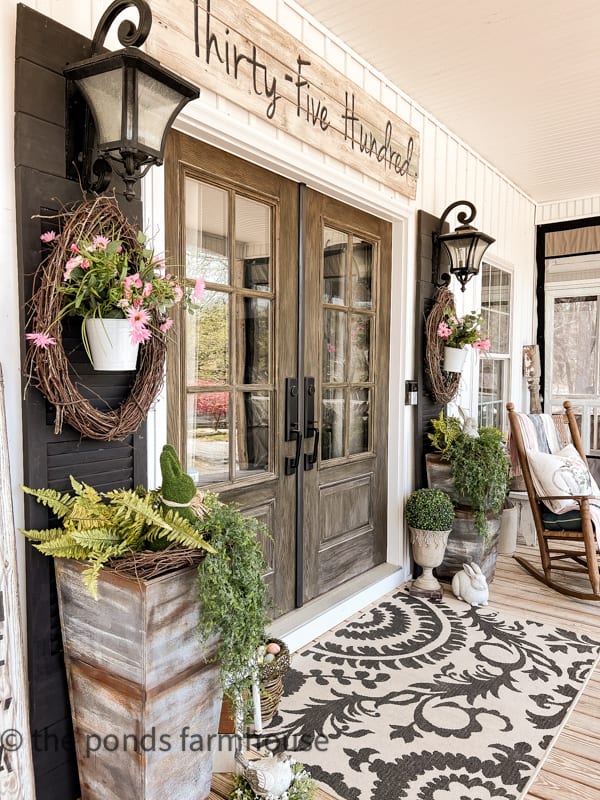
(104, 94)
(156, 104)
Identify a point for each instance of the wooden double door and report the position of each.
(278, 386)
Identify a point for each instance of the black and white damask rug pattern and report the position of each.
(413, 700)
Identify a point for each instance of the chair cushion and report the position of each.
(563, 473)
(568, 521)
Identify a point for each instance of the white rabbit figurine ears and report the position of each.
(472, 569)
(470, 427)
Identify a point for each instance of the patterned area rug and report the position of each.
(412, 700)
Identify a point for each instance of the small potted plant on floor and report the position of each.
(429, 514)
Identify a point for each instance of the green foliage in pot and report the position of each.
(430, 510)
(99, 527)
(479, 466)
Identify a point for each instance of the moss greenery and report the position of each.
(479, 465)
(430, 510)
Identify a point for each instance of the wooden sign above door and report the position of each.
(234, 50)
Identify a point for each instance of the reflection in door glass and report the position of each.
(359, 421)
(208, 436)
(360, 347)
(334, 414)
(252, 244)
(362, 273)
(335, 249)
(207, 237)
(207, 340)
(575, 346)
(252, 437)
(334, 345)
(253, 339)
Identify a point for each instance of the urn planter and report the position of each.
(428, 549)
(145, 701)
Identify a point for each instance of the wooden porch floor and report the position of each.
(572, 769)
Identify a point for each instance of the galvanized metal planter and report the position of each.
(145, 703)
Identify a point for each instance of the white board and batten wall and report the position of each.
(448, 170)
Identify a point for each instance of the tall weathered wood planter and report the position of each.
(144, 702)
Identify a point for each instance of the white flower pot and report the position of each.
(428, 552)
(110, 346)
(454, 358)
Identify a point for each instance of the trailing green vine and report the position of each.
(232, 590)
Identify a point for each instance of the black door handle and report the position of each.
(310, 459)
(291, 464)
(310, 423)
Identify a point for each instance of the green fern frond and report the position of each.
(48, 535)
(179, 531)
(64, 547)
(59, 504)
(84, 490)
(95, 538)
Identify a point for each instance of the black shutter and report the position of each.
(427, 408)
(42, 49)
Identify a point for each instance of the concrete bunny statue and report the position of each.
(469, 425)
(471, 586)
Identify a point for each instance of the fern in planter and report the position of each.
(98, 527)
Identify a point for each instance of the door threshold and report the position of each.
(299, 627)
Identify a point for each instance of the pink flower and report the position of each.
(444, 330)
(140, 335)
(147, 290)
(482, 344)
(85, 263)
(71, 264)
(198, 290)
(132, 281)
(167, 325)
(49, 236)
(178, 292)
(40, 339)
(138, 317)
(74, 248)
(100, 243)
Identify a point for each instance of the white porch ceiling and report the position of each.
(517, 80)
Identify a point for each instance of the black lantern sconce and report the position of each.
(133, 101)
(464, 247)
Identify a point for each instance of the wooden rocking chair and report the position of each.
(567, 540)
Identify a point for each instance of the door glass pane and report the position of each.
(207, 340)
(253, 338)
(252, 244)
(208, 436)
(207, 232)
(332, 438)
(362, 273)
(253, 421)
(359, 421)
(575, 346)
(360, 348)
(335, 249)
(334, 345)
